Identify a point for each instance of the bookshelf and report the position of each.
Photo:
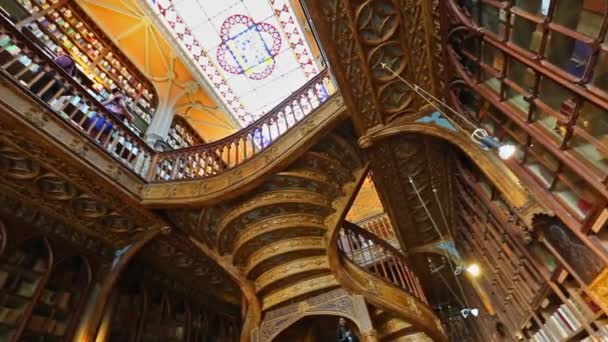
(567, 314)
(165, 319)
(129, 306)
(63, 25)
(145, 310)
(22, 274)
(182, 135)
(541, 286)
(56, 313)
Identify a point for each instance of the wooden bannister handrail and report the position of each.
(373, 237)
(253, 126)
(391, 265)
(227, 153)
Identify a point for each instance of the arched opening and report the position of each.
(316, 328)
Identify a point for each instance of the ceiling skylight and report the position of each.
(253, 53)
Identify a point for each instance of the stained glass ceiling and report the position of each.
(253, 53)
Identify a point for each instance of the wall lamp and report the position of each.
(480, 136)
(469, 312)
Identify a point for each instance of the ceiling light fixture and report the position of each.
(474, 270)
(480, 136)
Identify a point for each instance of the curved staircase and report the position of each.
(276, 234)
(281, 238)
(390, 327)
(276, 231)
(370, 266)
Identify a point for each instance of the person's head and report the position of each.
(117, 93)
(342, 321)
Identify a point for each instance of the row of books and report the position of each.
(560, 325)
(21, 258)
(42, 324)
(602, 335)
(59, 299)
(9, 316)
(180, 137)
(69, 33)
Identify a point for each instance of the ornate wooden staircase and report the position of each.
(368, 265)
(266, 203)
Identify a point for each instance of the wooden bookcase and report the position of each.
(63, 25)
(144, 311)
(55, 313)
(539, 290)
(182, 134)
(43, 288)
(23, 273)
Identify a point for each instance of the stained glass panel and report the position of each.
(253, 53)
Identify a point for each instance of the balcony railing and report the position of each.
(379, 225)
(214, 158)
(26, 65)
(378, 257)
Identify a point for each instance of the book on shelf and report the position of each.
(3, 278)
(9, 316)
(39, 265)
(26, 289)
(63, 300)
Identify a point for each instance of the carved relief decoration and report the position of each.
(361, 35)
(423, 158)
(180, 259)
(47, 180)
(50, 225)
(336, 302)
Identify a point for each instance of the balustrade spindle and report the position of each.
(236, 151)
(245, 143)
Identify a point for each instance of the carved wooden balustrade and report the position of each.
(25, 64)
(214, 158)
(378, 257)
(379, 225)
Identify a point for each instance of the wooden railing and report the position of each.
(379, 225)
(26, 65)
(373, 254)
(222, 155)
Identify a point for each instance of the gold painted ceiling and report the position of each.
(366, 204)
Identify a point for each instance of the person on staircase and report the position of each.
(349, 336)
(341, 332)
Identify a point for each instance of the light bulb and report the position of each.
(474, 270)
(506, 151)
